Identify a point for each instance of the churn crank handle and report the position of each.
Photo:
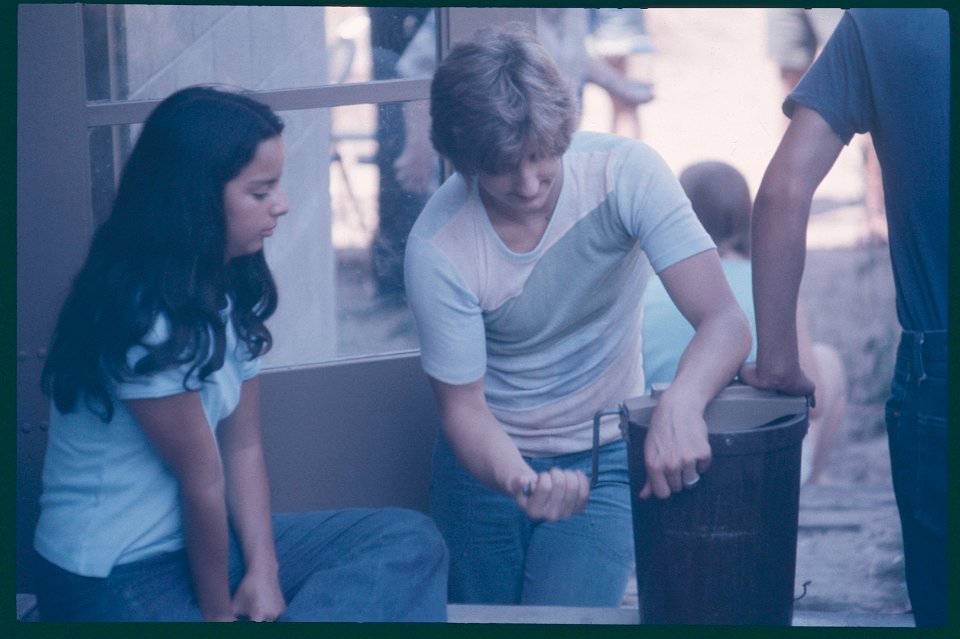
(596, 443)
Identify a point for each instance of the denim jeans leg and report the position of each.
(585, 560)
(155, 589)
(386, 564)
(351, 565)
(917, 431)
(486, 533)
(498, 555)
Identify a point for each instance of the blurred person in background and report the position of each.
(795, 37)
(619, 38)
(399, 200)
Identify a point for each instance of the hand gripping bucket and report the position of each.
(723, 552)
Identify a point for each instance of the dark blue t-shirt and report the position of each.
(887, 72)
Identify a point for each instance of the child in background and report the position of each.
(721, 199)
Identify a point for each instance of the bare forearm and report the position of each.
(205, 529)
(779, 253)
(477, 437)
(721, 338)
(248, 498)
(601, 73)
(258, 596)
(779, 236)
(712, 358)
(676, 449)
(487, 452)
(619, 87)
(416, 120)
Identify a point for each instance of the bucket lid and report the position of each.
(736, 407)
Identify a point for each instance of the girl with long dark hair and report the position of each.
(155, 502)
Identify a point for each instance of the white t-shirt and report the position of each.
(556, 331)
(107, 496)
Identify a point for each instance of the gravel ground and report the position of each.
(849, 546)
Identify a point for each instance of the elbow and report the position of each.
(746, 337)
(765, 200)
(740, 333)
(780, 196)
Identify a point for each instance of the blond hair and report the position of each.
(497, 99)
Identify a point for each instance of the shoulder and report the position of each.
(443, 207)
(596, 142)
(441, 239)
(901, 34)
(897, 19)
(616, 156)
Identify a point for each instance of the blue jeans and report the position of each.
(916, 414)
(339, 565)
(498, 555)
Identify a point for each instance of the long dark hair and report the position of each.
(162, 252)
